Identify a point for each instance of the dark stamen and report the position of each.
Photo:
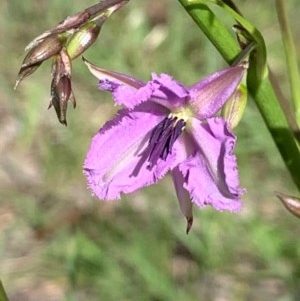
(162, 139)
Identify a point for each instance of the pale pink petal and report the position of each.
(183, 197)
(116, 161)
(169, 90)
(210, 94)
(211, 172)
(113, 77)
(162, 89)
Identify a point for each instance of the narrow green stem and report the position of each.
(214, 30)
(3, 296)
(291, 56)
(263, 92)
(254, 34)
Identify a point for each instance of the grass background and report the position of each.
(59, 243)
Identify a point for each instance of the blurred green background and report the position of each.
(59, 243)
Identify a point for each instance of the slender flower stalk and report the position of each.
(291, 56)
(3, 296)
(166, 126)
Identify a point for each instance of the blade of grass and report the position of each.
(3, 296)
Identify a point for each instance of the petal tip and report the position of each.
(189, 224)
(292, 204)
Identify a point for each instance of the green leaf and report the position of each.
(3, 296)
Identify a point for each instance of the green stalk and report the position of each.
(3, 296)
(291, 56)
(261, 90)
(213, 29)
(252, 32)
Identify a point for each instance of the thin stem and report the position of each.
(104, 4)
(261, 52)
(3, 296)
(291, 56)
(285, 106)
(244, 53)
(232, 5)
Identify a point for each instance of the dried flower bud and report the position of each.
(61, 93)
(234, 108)
(50, 46)
(61, 87)
(45, 49)
(61, 65)
(69, 39)
(24, 72)
(292, 204)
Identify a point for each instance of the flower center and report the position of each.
(163, 137)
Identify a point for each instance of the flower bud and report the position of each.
(24, 72)
(292, 204)
(61, 87)
(42, 51)
(47, 48)
(234, 108)
(61, 65)
(83, 38)
(61, 93)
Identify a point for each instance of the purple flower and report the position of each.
(165, 126)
